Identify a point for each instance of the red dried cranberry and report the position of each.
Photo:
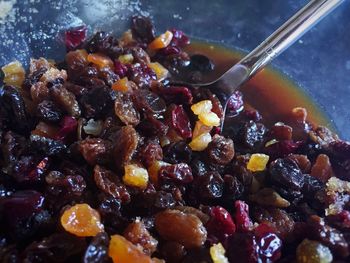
(180, 121)
(120, 69)
(180, 173)
(242, 218)
(235, 102)
(68, 127)
(74, 37)
(180, 95)
(179, 38)
(141, 74)
(169, 50)
(220, 224)
(253, 115)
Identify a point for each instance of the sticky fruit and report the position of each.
(200, 129)
(162, 41)
(257, 162)
(159, 69)
(122, 250)
(217, 253)
(203, 106)
(209, 119)
(101, 61)
(310, 251)
(126, 59)
(81, 220)
(135, 176)
(121, 85)
(201, 142)
(14, 73)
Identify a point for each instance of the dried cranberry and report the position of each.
(120, 69)
(68, 128)
(220, 224)
(242, 219)
(142, 29)
(97, 251)
(175, 94)
(169, 50)
(74, 37)
(253, 115)
(340, 221)
(180, 173)
(179, 38)
(180, 121)
(235, 102)
(177, 152)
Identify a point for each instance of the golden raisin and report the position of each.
(257, 162)
(81, 220)
(310, 251)
(121, 85)
(200, 128)
(161, 72)
(322, 169)
(209, 119)
(162, 41)
(123, 251)
(217, 253)
(100, 60)
(203, 106)
(201, 142)
(14, 73)
(135, 176)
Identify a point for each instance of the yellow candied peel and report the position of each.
(161, 72)
(201, 142)
(217, 253)
(82, 220)
(135, 176)
(257, 162)
(126, 59)
(14, 73)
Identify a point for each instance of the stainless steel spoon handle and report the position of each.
(280, 40)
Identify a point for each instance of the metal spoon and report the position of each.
(274, 45)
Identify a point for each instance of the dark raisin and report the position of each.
(149, 102)
(201, 63)
(141, 74)
(97, 251)
(177, 152)
(198, 167)
(164, 200)
(209, 186)
(150, 152)
(220, 150)
(126, 143)
(142, 29)
(108, 75)
(269, 243)
(233, 188)
(235, 103)
(13, 105)
(97, 102)
(252, 134)
(172, 251)
(180, 173)
(140, 55)
(150, 126)
(47, 146)
(65, 100)
(29, 169)
(286, 173)
(311, 186)
(49, 112)
(243, 248)
(104, 43)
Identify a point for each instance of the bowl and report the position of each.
(319, 62)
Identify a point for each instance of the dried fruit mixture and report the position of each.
(104, 159)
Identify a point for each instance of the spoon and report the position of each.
(269, 49)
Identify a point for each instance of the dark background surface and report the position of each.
(319, 62)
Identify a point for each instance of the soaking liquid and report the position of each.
(269, 91)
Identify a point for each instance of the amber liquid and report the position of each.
(270, 92)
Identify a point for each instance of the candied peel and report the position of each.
(257, 162)
(162, 41)
(135, 176)
(14, 73)
(217, 253)
(339, 192)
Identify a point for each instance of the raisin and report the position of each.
(140, 55)
(164, 200)
(286, 173)
(243, 248)
(97, 251)
(142, 29)
(209, 186)
(47, 146)
(150, 152)
(48, 111)
(178, 95)
(125, 110)
(104, 43)
(177, 226)
(137, 234)
(126, 143)
(95, 150)
(110, 184)
(233, 188)
(180, 173)
(280, 131)
(97, 102)
(268, 242)
(149, 102)
(142, 75)
(302, 161)
(310, 251)
(65, 100)
(172, 251)
(150, 126)
(322, 169)
(220, 150)
(252, 134)
(177, 152)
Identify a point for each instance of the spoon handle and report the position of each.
(280, 40)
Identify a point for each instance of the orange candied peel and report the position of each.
(161, 41)
(135, 176)
(203, 106)
(257, 162)
(123, 251)
(201, 142)
(121, 85)
(209, 119)
(82, 220)
(14, 73)
(101, 61)
(200, 128)
(217, 253)
(159, 69)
